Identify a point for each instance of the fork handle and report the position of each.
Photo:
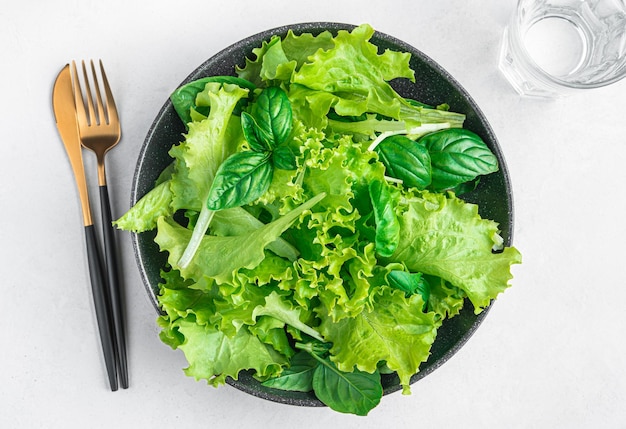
(101, 304)
(115, 291)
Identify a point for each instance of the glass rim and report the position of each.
(531, 66)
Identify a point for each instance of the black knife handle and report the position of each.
(101, 304)
(115, 291)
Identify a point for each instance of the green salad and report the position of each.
(312, 222)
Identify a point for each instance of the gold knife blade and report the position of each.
(65, 116)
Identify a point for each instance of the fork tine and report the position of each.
(89, 96)
(111, 109)
(81, 112)
(100, 108)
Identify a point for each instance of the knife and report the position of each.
(65, 116)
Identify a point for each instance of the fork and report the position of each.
(100, 131)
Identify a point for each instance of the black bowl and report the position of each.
(433, 86)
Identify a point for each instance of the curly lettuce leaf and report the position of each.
(271, 331)
(356, 74)
(213, 356)
(278, 58)
(207, 144)
(337, 258)
(444, 299)
(180, 298)
(188, 99)
(280, 308)
(353, 79)
(444, 236)
(144, 214)
(394, 330)
(348, 283)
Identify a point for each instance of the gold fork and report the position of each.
(100, 131)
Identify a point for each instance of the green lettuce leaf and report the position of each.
(238, 221)
(356, 74)
(235, 305)
(353, 79)
(445, 300)
(281, 309)
(444, 236)
(394, 330)
(271, 331)
(144, 214)
(213, 356)
(179, 298)
(191, 97)
(278, 58)
(207, 144)
(227, 254)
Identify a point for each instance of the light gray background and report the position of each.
(549, 355)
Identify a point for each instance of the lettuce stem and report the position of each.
(417, 131)
(199, 230)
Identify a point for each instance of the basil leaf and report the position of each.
(466, 187)
(273, 116)
(354, 392)
(406, 160)
(387, 224)
(284, 158)
(241, 178)
(410, 283)
(298, 377)
(251, 134)
(457, 156)
(184, 98)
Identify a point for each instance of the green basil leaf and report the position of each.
(298, 377)
(387, 224)
(466, 187)
(457, 156)
(406, 160)
(184, 98)
(273, 116)
(410, 283)
(354, 392)
(284, 158)
(251, 133)
(241, 178)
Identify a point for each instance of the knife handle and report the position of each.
(115, 291)
(101, 304)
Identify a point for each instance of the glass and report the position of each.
(553, 48)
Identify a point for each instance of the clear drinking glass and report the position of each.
(552, 48)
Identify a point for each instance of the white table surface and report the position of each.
(551, 352)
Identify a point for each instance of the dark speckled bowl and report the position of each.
(433, 86)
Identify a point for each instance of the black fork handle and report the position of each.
(115, 291)
(101, 304)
